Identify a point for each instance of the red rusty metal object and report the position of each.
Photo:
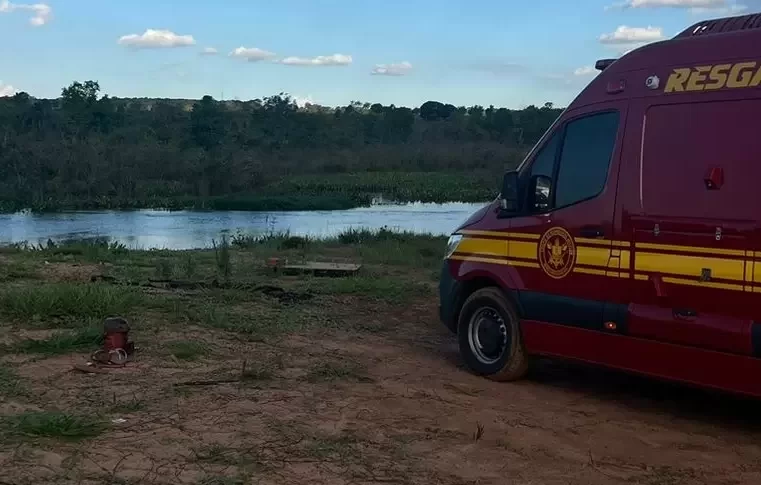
(117, 348)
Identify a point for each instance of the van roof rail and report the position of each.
(722, 25)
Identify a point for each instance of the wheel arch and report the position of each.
(480, 281)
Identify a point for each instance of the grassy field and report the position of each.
(245, 376)
(307, 192)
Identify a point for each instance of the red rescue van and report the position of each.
(630, 236)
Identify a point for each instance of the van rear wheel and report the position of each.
(490, 338)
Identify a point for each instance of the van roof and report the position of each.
(706, 42)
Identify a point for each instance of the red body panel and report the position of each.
(690, 365)
(678, 257)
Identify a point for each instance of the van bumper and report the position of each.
(449, 295)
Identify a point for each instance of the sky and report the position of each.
(509, 53)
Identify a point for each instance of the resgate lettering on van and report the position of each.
(630, 236)
(699, 78)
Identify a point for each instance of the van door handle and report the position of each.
(685, 314)
(592, 232)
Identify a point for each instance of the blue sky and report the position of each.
(503, 52)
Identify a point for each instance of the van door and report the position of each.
(560, 249)
(695, 226)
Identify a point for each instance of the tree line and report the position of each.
(85, 146)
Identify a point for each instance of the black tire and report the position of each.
(495, 351)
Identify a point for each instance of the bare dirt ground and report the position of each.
(391, 406)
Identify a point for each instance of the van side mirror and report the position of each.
(509, 193)
(539, 192)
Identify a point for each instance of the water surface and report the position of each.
(147, 229)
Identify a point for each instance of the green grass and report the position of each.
(66, 300)
(54, 425)
(88, 247)
(188, 350)
(68, 341)
(10, 382)
(337, 371)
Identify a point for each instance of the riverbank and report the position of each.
(299, 193)
(245, 376)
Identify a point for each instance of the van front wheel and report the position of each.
(489, 336)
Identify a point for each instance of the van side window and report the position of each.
(544, 162)
(585, 157)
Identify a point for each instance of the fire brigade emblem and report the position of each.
(557, 253)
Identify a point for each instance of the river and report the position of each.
(156, 229)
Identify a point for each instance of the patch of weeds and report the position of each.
(182, 391)
(393, 290)
(164, 269)
(17, 271)
(92, 249)
(333, 446)
(188, 350)
(337, 371)
(82, 339)
(294, 242)
(127, 407)
(54, 425)
(260, 322)
(257, 373)
(67, 300)
(10, 382)
(188, 265)
(222, 257)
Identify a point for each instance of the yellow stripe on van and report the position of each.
(591, 256)
(592, 271)
(491, 247)
(484, 259)
(704, 284)
(500, 234)
(523, 235)
(598, 242)
(522, 250)
(623, 258)
(483, 233)
(690, 249)
(730, 269)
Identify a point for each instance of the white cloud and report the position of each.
(585, 71)
(302, 101)
(209, 51)
(41, 12)
(695, 6)
(7, 90)
(252, 54)
(399, 69)
(156, 38)
(729, 10)
(334, 60)
(624, 35)
(625, 39)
